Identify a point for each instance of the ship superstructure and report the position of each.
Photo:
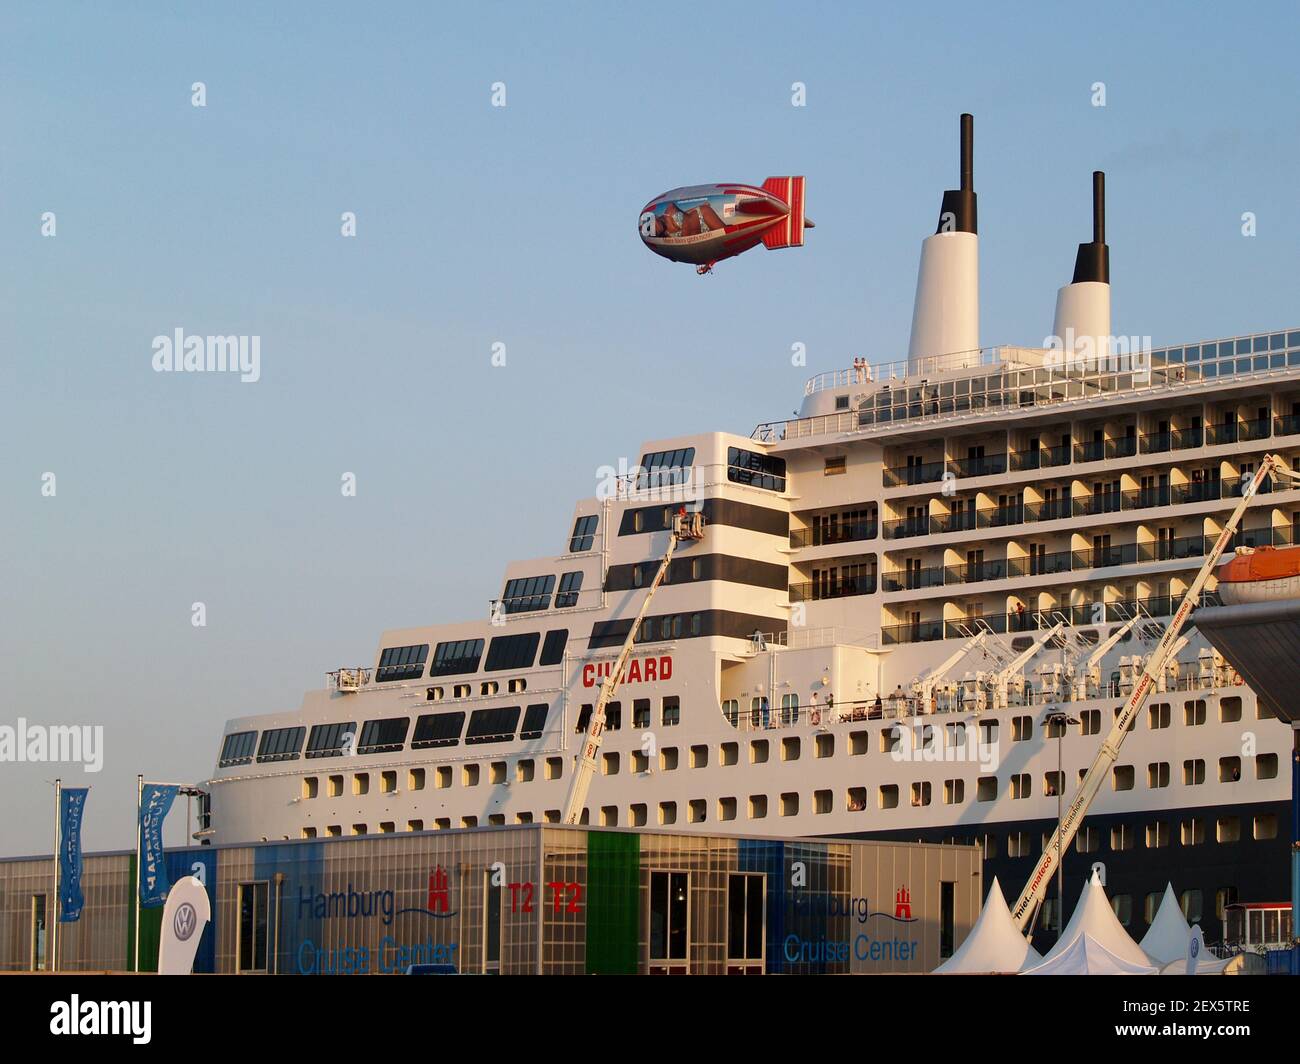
(892, 593)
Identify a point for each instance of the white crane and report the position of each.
(1011, 673)
(1154, 666)
(685, 526)
(923, 687)
(985, 690)
(1088, 679)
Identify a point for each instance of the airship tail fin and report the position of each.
(788, 232)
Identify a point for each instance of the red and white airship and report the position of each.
(704, 224)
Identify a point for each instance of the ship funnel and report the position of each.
(1082, 325)
(945, 316)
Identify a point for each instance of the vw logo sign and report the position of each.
(184, 922)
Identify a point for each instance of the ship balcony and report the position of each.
(1155, 606)
(1171, 440)
(975, 572)
(913, 473)
(822, 534)
(1105, 450)
(843, 587)
(912, 579)
(984, 465)
(1041, 457)
(905, 527)
(1079, 561)
(1094, 504)
(1217, 435)
(968, 520)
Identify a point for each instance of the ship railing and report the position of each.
(817, 715)
(882, 372)
(1023, 378)
(799, 638)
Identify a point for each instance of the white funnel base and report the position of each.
(1082, 325)
(946, 314)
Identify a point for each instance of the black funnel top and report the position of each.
(957, 211)
(1093, 261)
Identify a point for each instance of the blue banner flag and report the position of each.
(72, 807)
(155, 802)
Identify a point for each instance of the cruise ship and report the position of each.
(912, 614)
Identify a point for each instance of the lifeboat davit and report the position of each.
(1264, 574)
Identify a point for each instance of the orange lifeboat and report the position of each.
(1264, 574)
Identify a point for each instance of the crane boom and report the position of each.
(1072, 817)
(685, 526)
(1020, 660)
(1114, 638)
(926, 684)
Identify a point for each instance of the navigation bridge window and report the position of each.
(584, 534)
(570, 585)
(757, 470)
(402, 663)
(383, 736)
(329, 740)
(281, 744)
(237, 749)
(662, 468)
(528, 593)
(456, 657)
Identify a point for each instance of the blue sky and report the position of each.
(517, 225)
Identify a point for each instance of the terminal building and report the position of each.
(527, 899)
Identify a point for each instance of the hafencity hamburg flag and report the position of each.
(72, 807)
(155, 802)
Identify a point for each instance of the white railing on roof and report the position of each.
(1065, 381)
(928, 366)
(807, 638)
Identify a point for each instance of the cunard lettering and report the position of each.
(639, 670)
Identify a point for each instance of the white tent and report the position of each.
(1212, 965)
(1169, 933)
(994, 944)
(1167, 939)
(1084, 955)
(1093, 918)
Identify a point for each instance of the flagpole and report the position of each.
(139, 800)
(58, 861)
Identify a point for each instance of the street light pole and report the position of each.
(1061, 720)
